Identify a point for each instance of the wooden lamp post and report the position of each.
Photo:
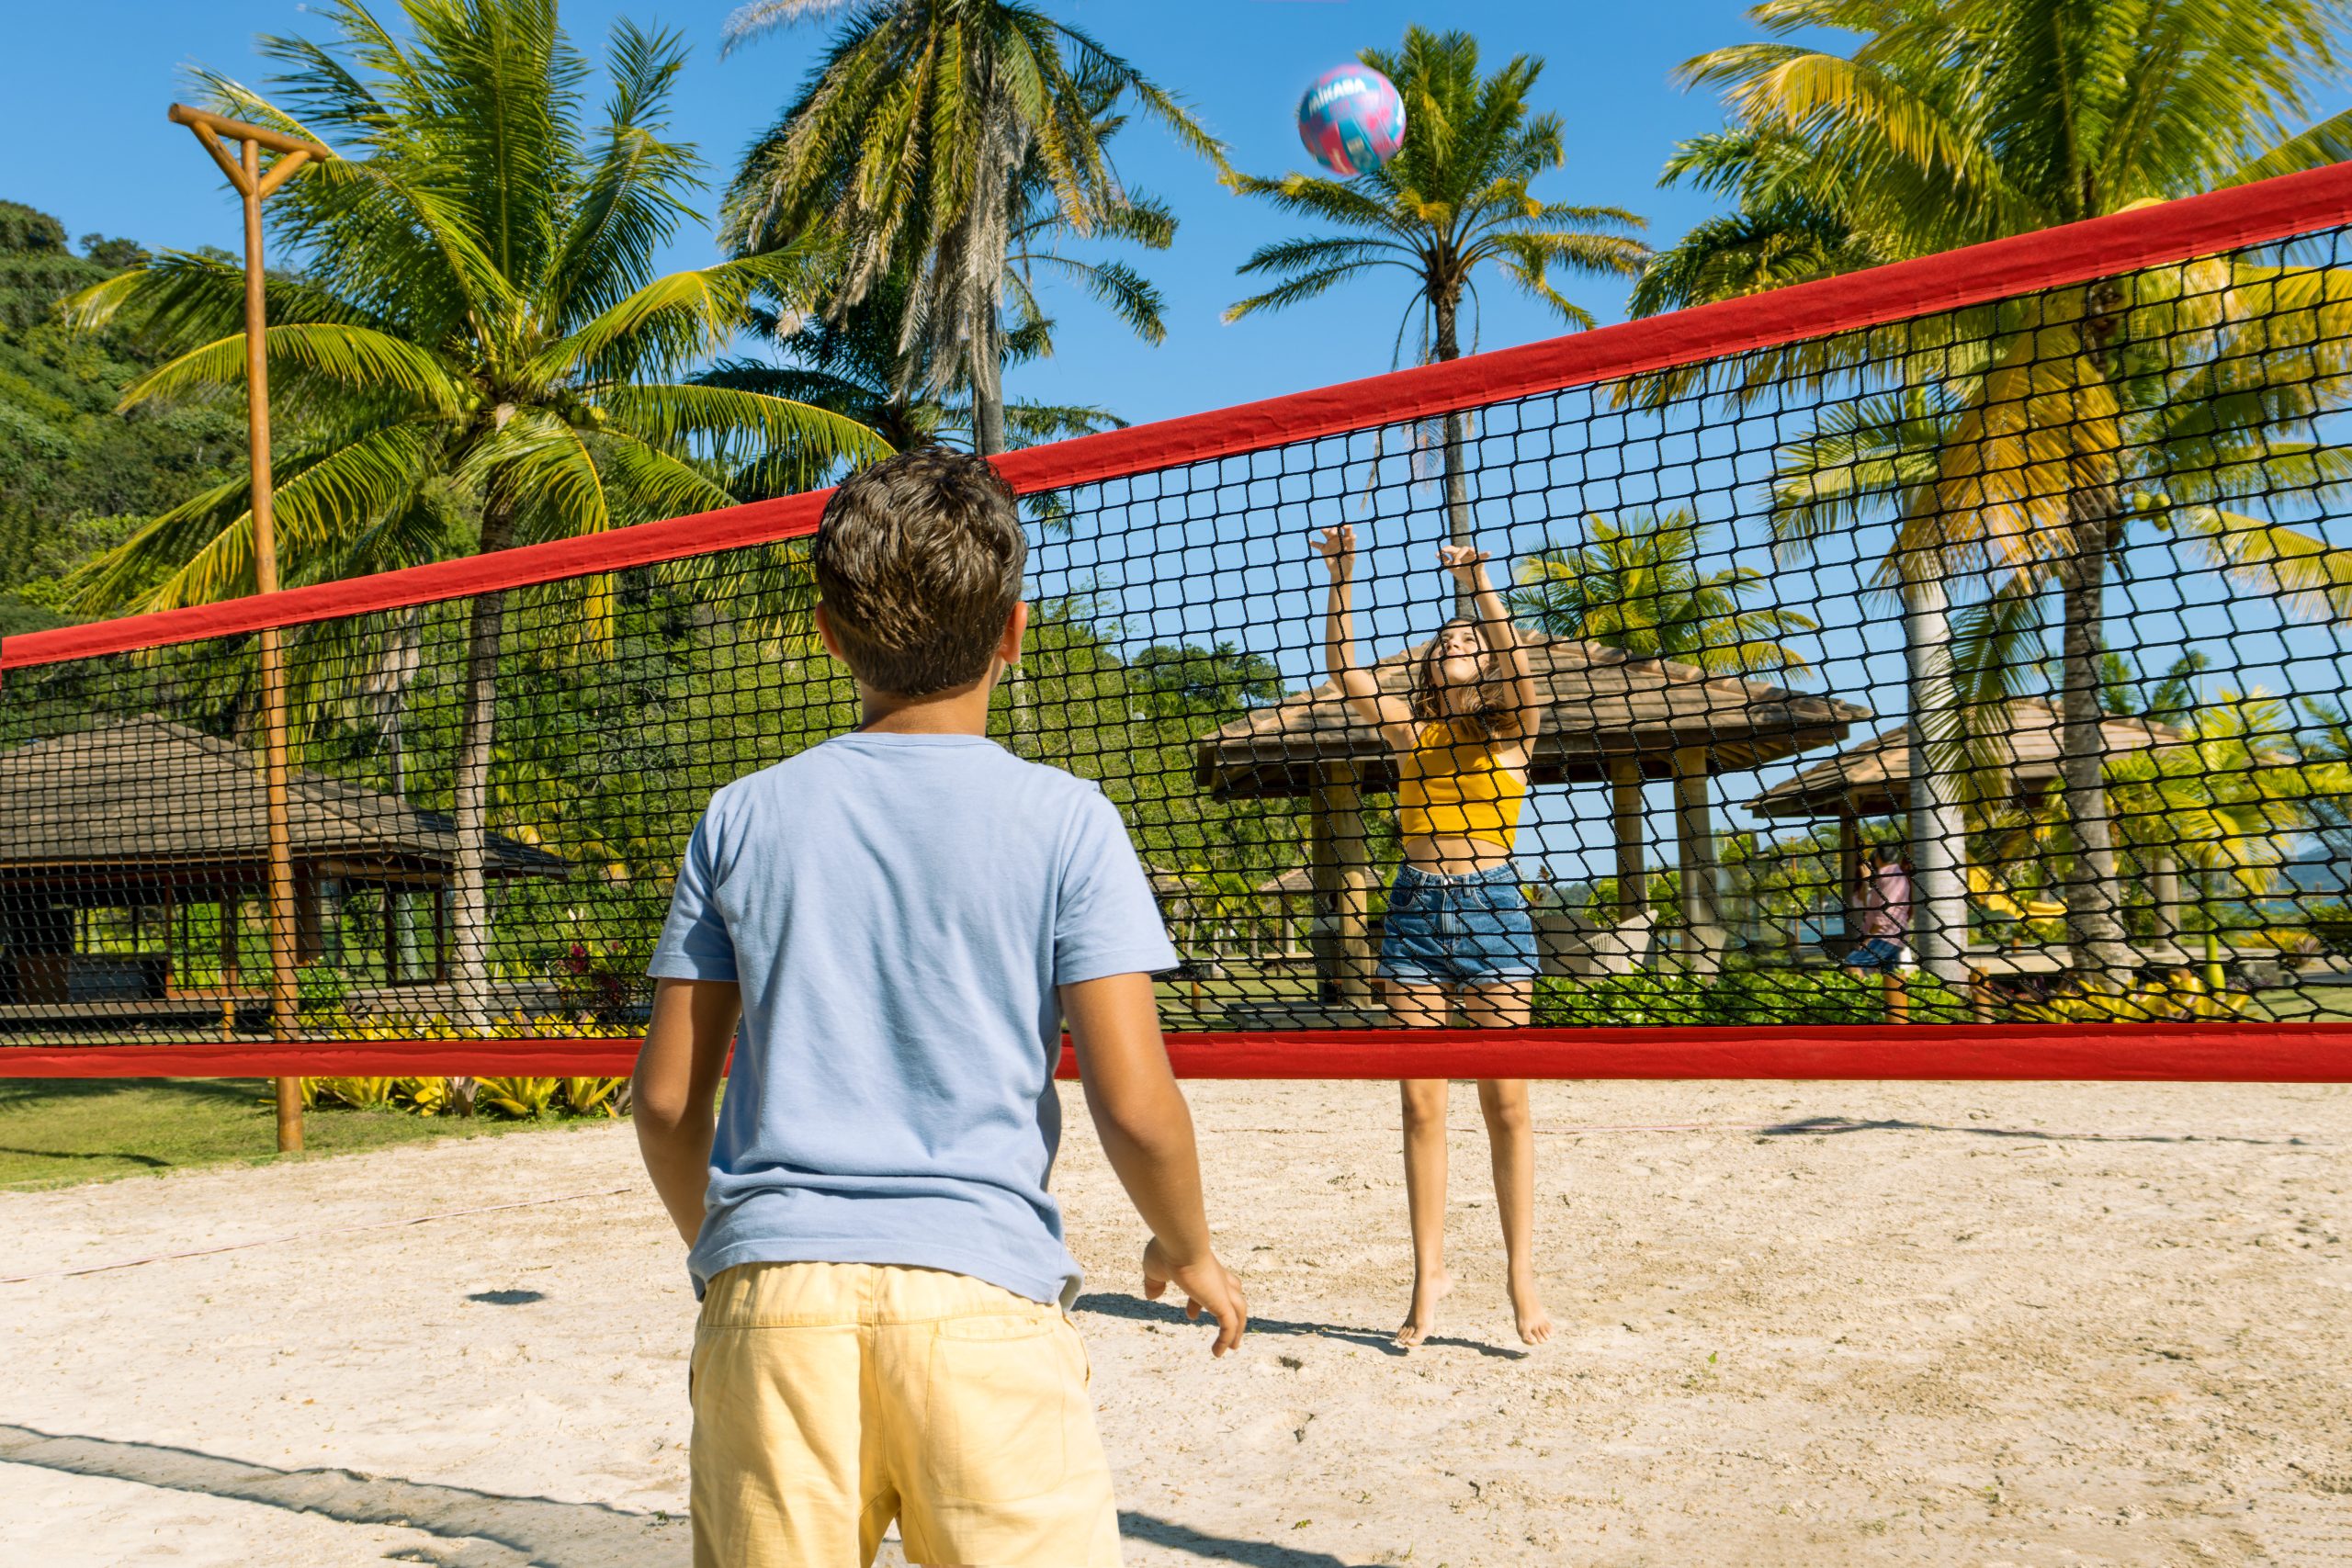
(253, 182)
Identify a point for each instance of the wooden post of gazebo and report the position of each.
(1703, 928)
(1850, 868)
(1626, 820)
(1341, 859)
(228, 908)
(253, 184)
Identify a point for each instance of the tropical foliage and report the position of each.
(75, 476)
(2031, 439)
(1639, 585)
(932, 141)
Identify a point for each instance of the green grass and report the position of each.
(2315, 1004)
(55, 1131)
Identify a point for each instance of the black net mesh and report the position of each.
(1981, 668)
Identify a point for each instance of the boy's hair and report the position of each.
(917, 561)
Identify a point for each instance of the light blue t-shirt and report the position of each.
(897, 910)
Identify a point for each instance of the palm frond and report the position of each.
(351, 358)
(721, 421)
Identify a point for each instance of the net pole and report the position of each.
(285, 986)
(254, 185)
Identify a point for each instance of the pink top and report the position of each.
(1885, 903)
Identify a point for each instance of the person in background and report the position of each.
(1883, 913)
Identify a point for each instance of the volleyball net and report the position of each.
(1931, 672)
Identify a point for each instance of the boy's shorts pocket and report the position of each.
(1004, 1393)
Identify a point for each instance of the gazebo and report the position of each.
(1293, 893)
(1872, 778)
(147, 815)
(1608, 718)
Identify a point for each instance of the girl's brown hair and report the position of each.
(1492, 718)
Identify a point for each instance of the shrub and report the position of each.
(1740, 996)
(321, 990)
(2179, 996)
(527, 1097)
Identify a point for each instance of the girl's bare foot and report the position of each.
(1535, 1323)
(1422, 1318)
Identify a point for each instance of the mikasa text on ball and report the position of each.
(1352, 119)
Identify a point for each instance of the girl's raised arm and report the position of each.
(1390, 715)
(1468, 565)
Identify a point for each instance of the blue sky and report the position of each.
(108, 69)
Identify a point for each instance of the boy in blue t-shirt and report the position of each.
(891, 927)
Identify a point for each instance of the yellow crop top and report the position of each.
(1451, 785)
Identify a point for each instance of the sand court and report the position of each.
(1800, 1324)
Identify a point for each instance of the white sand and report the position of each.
(1831, 1324)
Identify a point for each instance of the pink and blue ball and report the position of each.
(1352, 119)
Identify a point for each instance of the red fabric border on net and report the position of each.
(2150, 236)
(2199, 1052)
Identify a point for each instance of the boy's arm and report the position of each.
(1147, 1133)
(675, 1086)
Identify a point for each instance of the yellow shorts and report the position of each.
(831, 1398)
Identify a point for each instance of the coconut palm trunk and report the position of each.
(2100, 948)
(400, 915)
(988, 384)
(1447, 309)
(477, 721)
(2099, 944)
(1937, 827)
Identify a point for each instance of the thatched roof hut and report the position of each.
(1603, 709)
(1872, 777)
(143, 814)
(143, 799)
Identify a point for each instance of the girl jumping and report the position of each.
(1457, 932)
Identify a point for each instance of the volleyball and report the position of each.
(1352, 119)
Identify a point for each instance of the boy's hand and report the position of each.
(1207, 1286)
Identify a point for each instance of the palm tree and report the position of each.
(855, 360)
(477, 310)
(913, 143)
(1638, 587)
(2206, 417)
(1954, 121)
(1453, 200)
(851, 364)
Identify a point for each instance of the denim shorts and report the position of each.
(1471, 930)
(1881, 953)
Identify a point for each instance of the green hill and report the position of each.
(75, 477)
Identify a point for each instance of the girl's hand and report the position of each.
(1467, 563)
(1338, 549)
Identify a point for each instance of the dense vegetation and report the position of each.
(75, 476)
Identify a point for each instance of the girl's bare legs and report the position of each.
(1510, 1139)
(1423, 1007)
